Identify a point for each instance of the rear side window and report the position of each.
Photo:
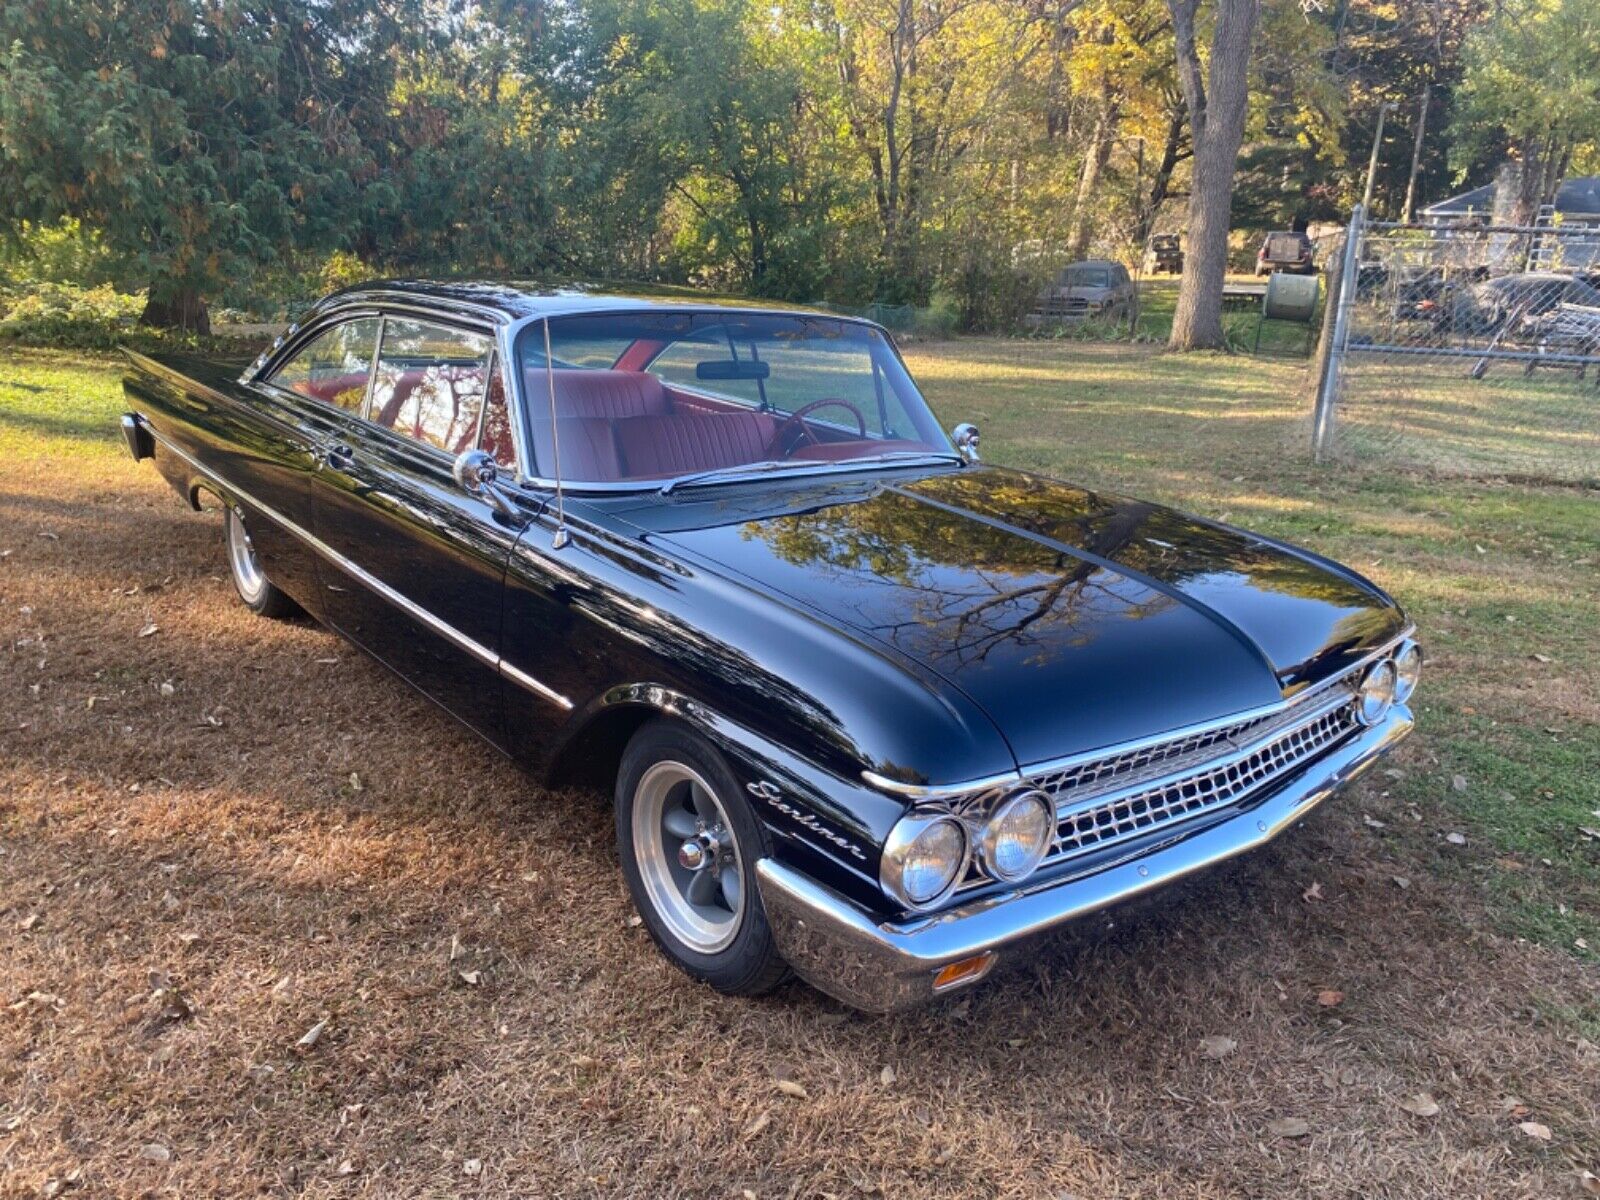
(429, 383)
(333, 366)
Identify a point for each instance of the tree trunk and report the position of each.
(176, 308)
(1095, 157)
(1172, 153)
(1217, 109)
(1416, 154)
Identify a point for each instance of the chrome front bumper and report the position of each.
(880, 966)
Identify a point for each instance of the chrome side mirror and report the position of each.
(477, 474)
(965, 436)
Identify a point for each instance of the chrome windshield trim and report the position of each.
(950, 791)
(443, 628)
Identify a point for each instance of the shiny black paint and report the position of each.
(931, 625)
(395, 509)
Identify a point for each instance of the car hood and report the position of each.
(1075, 619)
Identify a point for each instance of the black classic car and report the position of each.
(870, 710)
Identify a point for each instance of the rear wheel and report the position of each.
(689, 843)
(258, 592)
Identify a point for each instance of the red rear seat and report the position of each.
(611, 394)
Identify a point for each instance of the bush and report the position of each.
(59, 314)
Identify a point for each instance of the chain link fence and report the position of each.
(1464, 349)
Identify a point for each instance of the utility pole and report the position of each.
(1416, 153)
(1372, 164)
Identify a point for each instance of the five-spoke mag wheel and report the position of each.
(689, 842)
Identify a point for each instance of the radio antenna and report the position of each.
(562, 537)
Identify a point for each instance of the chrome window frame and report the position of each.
(484, 321)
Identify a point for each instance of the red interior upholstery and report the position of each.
(588, 449)
(683, 442)
(330, 388)
(612, 394)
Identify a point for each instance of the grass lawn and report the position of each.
(219, 833)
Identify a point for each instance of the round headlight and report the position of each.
(1377, 693)
(923, 858)
(1017, 835)
(1408, 669)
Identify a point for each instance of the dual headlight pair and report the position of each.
(927, 853)
(1388, 682)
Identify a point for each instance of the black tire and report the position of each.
(749, 964)
(258, 593)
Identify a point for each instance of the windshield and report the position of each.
(649, 397)
(1088, 277)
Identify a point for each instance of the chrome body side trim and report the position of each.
(445, 630)
(885, 965)
(925, 793)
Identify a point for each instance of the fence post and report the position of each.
(1341, 295)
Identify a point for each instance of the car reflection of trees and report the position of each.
(975, 587)
(978, 586)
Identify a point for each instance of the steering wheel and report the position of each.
(796, 421)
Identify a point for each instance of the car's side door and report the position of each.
(415, 566)
(271, 457)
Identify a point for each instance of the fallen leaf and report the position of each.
(150, 630)
(1371, 822)
(1589, 1182)
(792, 1089)
(1422, 1104)
(1217, 1046)
(1314, 892)
(28, 922)
(471, 978)
(887, 1076)
(1513, 1107)
(757, 1127)
(1535, 1130)
(313, 1035)
(1330, 997)
(154, 1152)
(1288, 1127)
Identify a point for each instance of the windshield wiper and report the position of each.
(759, 467)
(804, 467)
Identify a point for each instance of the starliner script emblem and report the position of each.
(770, 792)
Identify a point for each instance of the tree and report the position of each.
(1217, 99)
(1530, 89)
(200, 140)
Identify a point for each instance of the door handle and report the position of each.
(334, 454)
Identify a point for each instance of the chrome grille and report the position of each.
(1094, 775)
(1087, 823)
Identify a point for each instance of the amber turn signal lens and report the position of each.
(968, 970)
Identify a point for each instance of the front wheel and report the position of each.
(689, 843)
(258, 592)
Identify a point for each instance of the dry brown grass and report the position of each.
(191, 881)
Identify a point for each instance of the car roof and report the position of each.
(519, 299)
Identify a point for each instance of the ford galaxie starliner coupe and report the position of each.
(871, 710)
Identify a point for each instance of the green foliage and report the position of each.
(200, 140)
(58, 314)
(1531, 85)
